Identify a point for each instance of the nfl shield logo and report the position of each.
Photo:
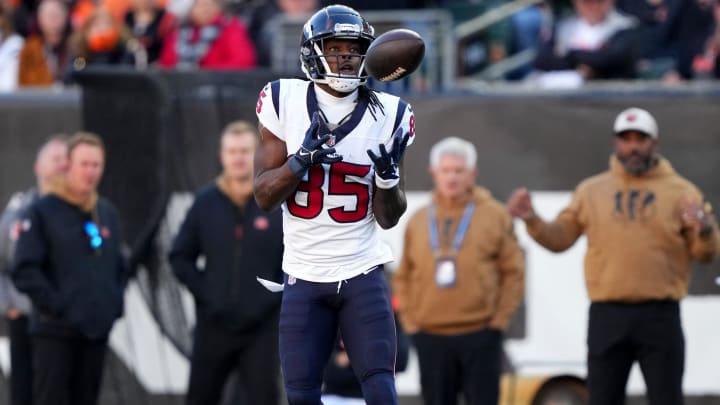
(330, 141)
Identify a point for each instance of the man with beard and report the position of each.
(644, 223)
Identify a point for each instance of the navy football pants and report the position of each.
(309, 320)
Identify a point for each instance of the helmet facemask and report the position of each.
(322, 73)
(335, 22)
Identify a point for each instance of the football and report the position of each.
(394, 55)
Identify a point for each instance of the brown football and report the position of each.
(394, 54)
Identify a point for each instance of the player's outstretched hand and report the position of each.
(312, 150)
(386, 163)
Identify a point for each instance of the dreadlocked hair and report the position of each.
(370, 95)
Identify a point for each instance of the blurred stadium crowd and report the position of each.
(561, 42)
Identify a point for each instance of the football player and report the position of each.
(330, 155)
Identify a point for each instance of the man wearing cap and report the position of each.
(644, 223)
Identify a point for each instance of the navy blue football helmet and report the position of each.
(340, 22)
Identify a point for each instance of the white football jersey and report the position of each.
(329, 226)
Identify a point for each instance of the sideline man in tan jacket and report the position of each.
(459, 281)
(644, 223)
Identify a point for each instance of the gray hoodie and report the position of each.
(10, 297)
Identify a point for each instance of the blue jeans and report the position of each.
(526, 25)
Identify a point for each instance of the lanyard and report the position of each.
(459, 234)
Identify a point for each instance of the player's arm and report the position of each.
(276, 175)
(389, 204)
(274, 180)
(389, 201)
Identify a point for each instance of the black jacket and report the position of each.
(238, 243)
(77, 291)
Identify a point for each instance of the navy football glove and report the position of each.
(312, 151)
(386, 164)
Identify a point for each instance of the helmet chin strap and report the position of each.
(343, 85)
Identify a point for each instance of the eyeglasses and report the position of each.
(93, 233)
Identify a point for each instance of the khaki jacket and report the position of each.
(489, 270)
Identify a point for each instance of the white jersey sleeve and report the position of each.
(268, 108)
(408, 122)
(404, 118)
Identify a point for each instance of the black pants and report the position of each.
(20, 362)
(468, 363)
(67, 371)
(620, 334)
(217, 352)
